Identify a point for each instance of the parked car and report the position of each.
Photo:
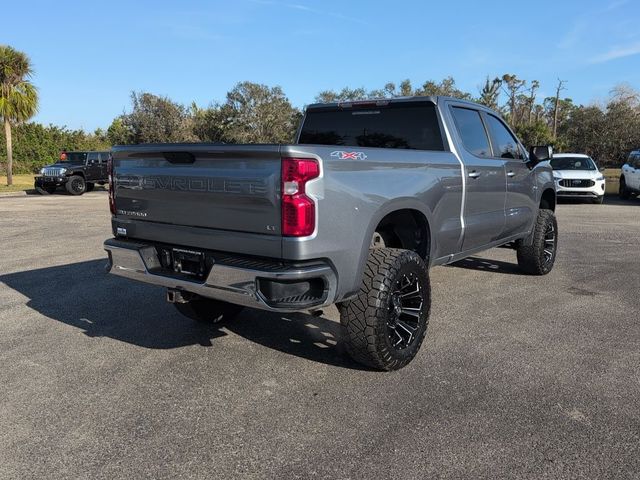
(630, 176)
(577, 176)
(78, 172)
(371, 195)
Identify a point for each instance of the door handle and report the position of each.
(511, 173)
(474, 174)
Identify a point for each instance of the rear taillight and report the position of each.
(112, 200)
(298, 210)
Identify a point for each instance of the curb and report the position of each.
(22, 193)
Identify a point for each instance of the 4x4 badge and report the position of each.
(342, 155)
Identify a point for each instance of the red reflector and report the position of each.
(298, 210)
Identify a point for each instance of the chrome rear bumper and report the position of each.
(233, 280)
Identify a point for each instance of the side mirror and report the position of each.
(539, 153)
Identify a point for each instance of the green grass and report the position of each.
(20, 183)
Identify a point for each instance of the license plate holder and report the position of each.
(188, 262)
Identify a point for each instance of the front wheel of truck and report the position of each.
(207, 310)
(384, 326)
(538, 257)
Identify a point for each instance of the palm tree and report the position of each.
(18, 96)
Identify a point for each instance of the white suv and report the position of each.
(630, 176)
(577, 176)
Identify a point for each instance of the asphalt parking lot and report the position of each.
(530, 377)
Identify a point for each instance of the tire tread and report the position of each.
(364, 318)
(531, 257)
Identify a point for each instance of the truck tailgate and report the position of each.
(225, 187)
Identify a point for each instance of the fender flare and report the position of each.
(402, 203)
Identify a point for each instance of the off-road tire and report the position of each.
(366, 320)
(207, 310)
(534, 259)
(76, 185)
(623, 191)
(90, 186)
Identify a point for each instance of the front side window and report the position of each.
(472, 132)
(92, 157)
(504, 144)
(73, 157)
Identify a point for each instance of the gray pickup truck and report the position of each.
(372, 194)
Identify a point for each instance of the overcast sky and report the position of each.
(89, 57)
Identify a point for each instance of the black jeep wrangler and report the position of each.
(77, 171)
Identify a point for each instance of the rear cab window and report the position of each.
(402, 125)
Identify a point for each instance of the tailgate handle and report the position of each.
(179, 157)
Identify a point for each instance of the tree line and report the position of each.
(256, 113)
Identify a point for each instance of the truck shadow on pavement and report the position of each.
(82, 295)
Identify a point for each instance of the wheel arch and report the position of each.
(400, 208)
(548, 199)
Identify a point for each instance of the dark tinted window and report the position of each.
(93, 157)
(504, 144)
(104, 156)
(73, 157)
(572, 163)
(399, 125)
(472, 131)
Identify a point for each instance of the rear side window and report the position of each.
(472, 132)
(504, 144)
(400, 125)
